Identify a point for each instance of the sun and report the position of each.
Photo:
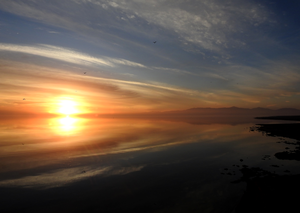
(67, 107)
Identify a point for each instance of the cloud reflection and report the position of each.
(63, 177)
(62, 151)
(47, 141)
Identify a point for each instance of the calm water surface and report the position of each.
(136, 165)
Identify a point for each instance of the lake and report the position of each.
(104, 164)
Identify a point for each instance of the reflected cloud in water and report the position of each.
(46, 147)
(66, 176)
(136, 159)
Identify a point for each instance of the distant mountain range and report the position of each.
(199, 116)
(232, 114)
(235, 111)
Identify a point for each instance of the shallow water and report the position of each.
(138, 165)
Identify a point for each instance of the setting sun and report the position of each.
(67, 107)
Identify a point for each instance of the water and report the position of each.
(132, 165)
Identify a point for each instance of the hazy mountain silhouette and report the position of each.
(231, 115)
(236, 111)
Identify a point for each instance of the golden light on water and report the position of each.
(67, 124)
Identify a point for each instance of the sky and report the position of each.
(124, 56)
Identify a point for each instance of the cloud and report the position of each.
(273, 80)
(175, 70)
(235, 85)
(212, 25)
(53, 32)
(125, 62)
(44, 84)
(209, 24)
(67, 55)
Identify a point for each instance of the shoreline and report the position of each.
(267, 192)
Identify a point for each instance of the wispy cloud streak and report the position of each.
(67, 55)
(67, 176)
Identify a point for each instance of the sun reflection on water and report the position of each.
(67, 123)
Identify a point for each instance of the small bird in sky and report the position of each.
(24, 99)
(84, 72)
(154, 42)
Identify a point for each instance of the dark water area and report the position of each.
(270, 192)
(145, 165)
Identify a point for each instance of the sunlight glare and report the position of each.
(67, 107)
(67, 123)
